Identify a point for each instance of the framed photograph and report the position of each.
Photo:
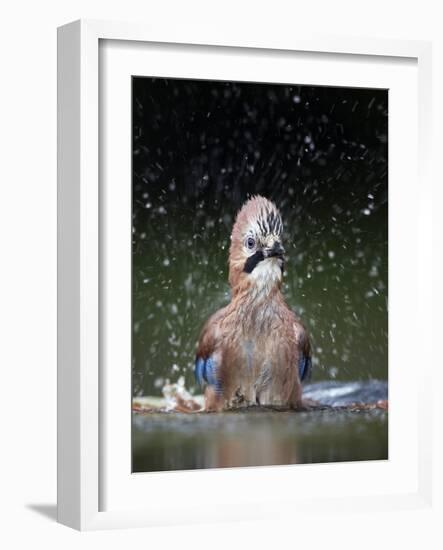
(242, 229)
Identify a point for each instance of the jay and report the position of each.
(254, 351)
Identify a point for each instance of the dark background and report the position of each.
(200, 149)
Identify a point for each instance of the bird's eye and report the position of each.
(250, 242)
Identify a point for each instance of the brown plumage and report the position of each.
(254, 351)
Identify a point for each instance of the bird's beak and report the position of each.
(277, 251)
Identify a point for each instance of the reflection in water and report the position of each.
(260, 437)
(183, 442)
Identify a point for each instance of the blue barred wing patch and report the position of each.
(304, 367)
(205, 372)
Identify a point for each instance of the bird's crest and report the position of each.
(260, 212)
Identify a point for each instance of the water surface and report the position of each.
(259, 437)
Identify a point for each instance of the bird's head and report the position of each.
(256, 252)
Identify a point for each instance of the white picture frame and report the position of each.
(81, 415)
